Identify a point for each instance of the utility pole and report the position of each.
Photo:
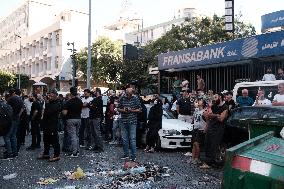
(73, 59)
(19, 74)
(89, 63)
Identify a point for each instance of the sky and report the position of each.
(105, 12)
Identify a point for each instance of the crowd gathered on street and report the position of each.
(84, 123)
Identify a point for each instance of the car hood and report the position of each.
(168, 124)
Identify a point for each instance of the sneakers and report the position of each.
(113, 143)
(133, 159)
(204, 166)
(82, 146)
(54, 158)
(73, 155)
(124, 157)
(7, 157)
(188, 154)
(41, 157)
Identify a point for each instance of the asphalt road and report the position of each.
(29, 170)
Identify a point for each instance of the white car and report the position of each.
(174, 133)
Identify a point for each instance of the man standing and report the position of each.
(244, 100)
(36, 114)
(85, 116)
(200, 83)
(215, 129)
(129, 107)
(280, 75)
(50, 129)
(183, 107)
(96, 116)
(177, 86)
(229, 100)
(72, 111)
(269, 76)
(261, 100)
(279, 98)
(11, 137)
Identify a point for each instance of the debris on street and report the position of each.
(10, 176)
(46, 181)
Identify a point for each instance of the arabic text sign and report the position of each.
(271, 20)
(253, 47)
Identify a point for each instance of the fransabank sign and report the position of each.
(252, 47)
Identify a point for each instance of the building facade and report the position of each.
(34, 41)
(142, 36)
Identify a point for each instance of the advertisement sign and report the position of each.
(272, 20)
(270, 44)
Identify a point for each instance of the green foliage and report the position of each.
(106, 60)
(24, 79)
(7, 80)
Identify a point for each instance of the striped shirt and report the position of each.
(129, 103)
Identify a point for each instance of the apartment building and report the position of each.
(34, 39)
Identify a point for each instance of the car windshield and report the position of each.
(166, 114)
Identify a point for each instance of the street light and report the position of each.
(73, 50)
(19, 75)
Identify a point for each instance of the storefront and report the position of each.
(223, 65)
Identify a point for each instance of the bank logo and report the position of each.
(249, 47)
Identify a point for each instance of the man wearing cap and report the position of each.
(72, 111)
(50, 130)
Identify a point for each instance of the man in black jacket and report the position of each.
(50, 130)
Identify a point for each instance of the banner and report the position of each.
(270, 44)
(272, 20)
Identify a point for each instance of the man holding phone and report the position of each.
(129, 106)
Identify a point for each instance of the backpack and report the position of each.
(6, 113)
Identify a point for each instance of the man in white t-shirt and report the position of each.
(85, 116)
(279, 98)
(261, 100)
(269, 76)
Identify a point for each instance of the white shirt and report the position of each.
(268, 77)
(85, 110)
(264, 102)
(278, 98)
(184, 85)
(199, 122)
(174, 106)
(28, 105)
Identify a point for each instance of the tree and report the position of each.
(7, 80)
(106, 60)
(24, 79)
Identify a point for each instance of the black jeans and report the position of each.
(50, 137)
(213, 138)
(84, 125)
(35, 131)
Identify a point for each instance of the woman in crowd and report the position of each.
(154, 125)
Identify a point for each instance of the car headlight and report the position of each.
(171, 132)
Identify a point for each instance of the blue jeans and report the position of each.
(128, 132)
(11, 138)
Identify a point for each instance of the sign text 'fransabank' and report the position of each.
(194, 56)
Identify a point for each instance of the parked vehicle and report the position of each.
(270, 88)
(174, 133)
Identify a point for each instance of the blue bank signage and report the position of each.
(272, 20)
(253, 47)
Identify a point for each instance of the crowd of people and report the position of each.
(84, 123)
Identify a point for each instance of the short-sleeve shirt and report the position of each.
(248, 101)
(278, 98)
(184, 106)
(130, 103)
(36, 106)
(199, 122)
(215, 123)
(73, 107)
(85, 110)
